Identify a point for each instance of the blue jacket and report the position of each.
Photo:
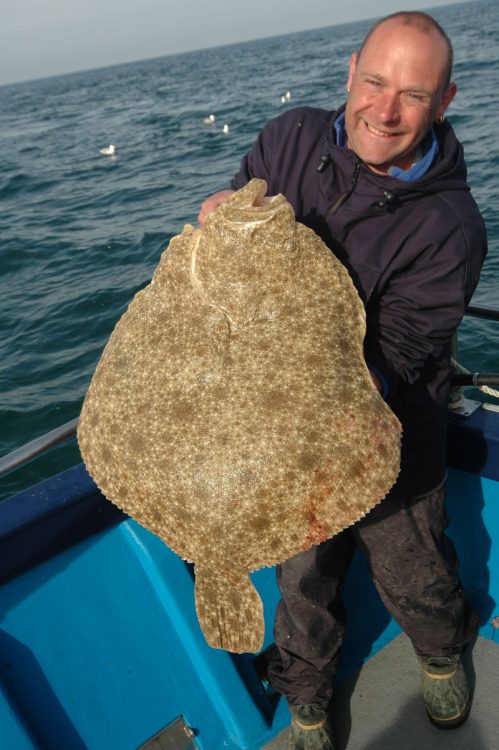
(413, 249)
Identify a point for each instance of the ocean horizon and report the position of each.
(82, 232)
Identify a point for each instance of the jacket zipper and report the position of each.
(332, 210)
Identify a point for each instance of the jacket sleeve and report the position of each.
(291, 138)
(254, 163)
(411, 320)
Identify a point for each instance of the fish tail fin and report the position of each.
(230, 611)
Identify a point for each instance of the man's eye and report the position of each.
(416, 97)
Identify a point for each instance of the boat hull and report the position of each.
(100, 647)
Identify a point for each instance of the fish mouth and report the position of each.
(256, 215)
(258, 197)
(269, 201)
(251, 205)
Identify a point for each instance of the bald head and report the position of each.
(398, 90)
(426, 25)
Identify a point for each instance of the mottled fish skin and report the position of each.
(232, 412)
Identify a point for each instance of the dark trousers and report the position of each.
(415, 570)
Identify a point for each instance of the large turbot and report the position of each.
(232, 412)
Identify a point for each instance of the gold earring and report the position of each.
(440, 119)
(348, 89)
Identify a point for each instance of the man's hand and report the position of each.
(213, 202)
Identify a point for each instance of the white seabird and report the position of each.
(225, 128)
(209, 120)
(108, 151)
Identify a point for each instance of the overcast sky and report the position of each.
(46, 37)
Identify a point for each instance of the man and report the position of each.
(383, 181)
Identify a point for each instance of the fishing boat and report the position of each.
(100, 647)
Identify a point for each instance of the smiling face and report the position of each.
(397, 90)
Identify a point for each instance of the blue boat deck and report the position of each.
(100, 647)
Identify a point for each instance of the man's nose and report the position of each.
(388, 107)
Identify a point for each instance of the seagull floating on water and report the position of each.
(108, 151)
(286, 97)
(225, 128)
(209, 120)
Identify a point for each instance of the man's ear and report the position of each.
(352, 66)
(447, 97)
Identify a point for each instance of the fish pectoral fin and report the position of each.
(229, 610)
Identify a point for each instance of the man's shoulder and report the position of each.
(311, 118)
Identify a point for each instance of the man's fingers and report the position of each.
(213, 202)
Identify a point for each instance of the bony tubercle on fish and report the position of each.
(232, 412)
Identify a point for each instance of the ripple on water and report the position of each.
(81, 233)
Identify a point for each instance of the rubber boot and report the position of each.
(446, 691)
(308, 728)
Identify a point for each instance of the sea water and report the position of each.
(82, 232)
